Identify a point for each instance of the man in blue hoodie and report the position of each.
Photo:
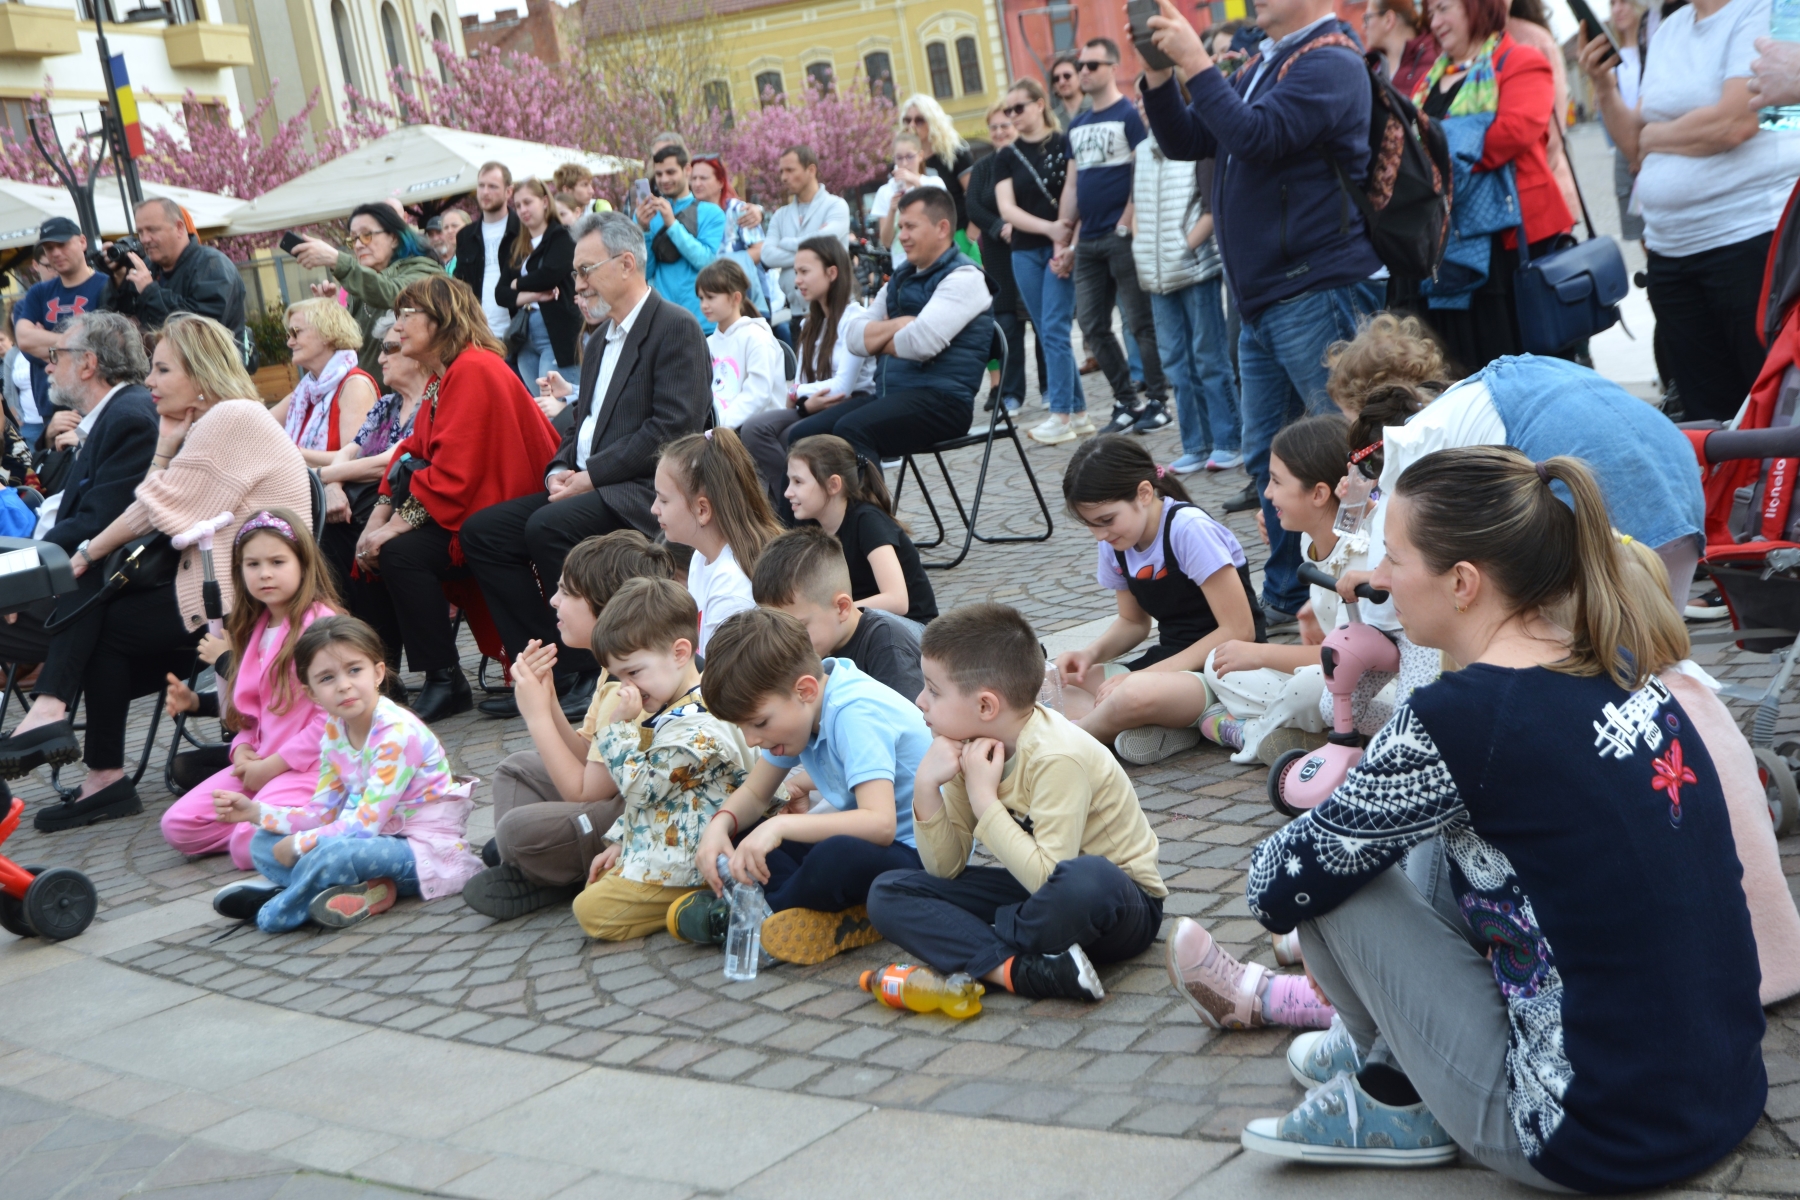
(1297, 254)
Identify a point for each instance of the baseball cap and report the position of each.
(433, 225)
(58, 229)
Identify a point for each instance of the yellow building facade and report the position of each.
(950, 49)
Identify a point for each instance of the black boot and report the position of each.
(1244, 501)
(446, 693)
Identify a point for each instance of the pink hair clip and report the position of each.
(1161, 471)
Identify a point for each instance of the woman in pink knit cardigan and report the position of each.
(218, 450)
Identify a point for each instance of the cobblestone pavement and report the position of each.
(1140, 1061)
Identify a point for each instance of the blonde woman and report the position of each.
(945, 152)
(334, 395)
(217, 450)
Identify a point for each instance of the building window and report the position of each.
(390, 33)
(768, 88)
(880, 70)
(716, 95)
(939, 61)
(1063, 18)
(340, 28)
(181, 12)
(15, 119)
(87, 9)
(440, 38)
(821, 77)
(968, 62)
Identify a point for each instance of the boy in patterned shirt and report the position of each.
(671, 761)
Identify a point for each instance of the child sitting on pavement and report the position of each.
(545, 835)
(669, 760)
(1077, 883)
(860, 743)
(388, 818)
(803, 573)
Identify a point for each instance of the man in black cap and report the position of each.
(76, 289)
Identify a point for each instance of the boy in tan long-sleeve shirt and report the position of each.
(1078, 882)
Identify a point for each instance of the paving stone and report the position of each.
(850, 1081)
(729, 1064)
(854, 1044)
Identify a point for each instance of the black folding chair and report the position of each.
(1000, 428)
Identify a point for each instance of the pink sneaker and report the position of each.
(1287, 948)
(1221, 989)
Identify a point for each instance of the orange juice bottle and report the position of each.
(901, 985)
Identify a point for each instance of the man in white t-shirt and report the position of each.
(481, 258)
(1712, 186)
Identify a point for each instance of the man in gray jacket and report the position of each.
(813, 212)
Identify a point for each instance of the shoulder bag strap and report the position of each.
(1556, 124)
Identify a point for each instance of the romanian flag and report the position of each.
(126, 106)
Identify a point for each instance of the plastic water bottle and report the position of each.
(920, 989)
(743, 938)
(1784, 26)
(1050, 693)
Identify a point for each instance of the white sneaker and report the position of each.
(1153, 743)
(1081, 425)
(1053, 431)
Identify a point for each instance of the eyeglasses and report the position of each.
(584, 272)
(1013, 110)
(390, 347)
(1092, 65)
(400, 314)
(364, 239)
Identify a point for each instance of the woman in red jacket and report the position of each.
(478, 439)
(1484, 71)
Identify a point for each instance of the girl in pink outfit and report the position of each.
(275, 755)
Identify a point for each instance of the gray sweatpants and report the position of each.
(1397, 962)
(550, 840)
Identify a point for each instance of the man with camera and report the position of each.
(181, 275)
(75, 290)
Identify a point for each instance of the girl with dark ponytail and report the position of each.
(829, 483)
(1565, 782)
(1163, 558)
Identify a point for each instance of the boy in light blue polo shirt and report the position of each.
(861, 743)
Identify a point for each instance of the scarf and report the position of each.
(1480, 92)
(309, 410)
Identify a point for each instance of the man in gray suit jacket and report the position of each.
(646, 379)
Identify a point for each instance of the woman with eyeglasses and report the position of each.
(353, 475)
(477, 440)
(1034, 187)
(945, 152)
(328, 405)
(385, 255)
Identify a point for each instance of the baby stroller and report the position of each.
(1753, 551)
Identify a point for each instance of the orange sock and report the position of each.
(1006, 974)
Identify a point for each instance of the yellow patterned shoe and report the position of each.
(807, 936)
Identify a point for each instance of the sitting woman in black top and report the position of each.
(1501, 999)
(828, 483)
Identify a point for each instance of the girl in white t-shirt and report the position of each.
(708, 497)
(909, 172)
(749, 372)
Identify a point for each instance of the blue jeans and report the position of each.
(1190, 339)
(31, 433)
(1050, 299)
(334, 861)
(539, 358)
(1133, 359)
(1281, 362)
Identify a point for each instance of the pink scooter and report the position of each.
(1302, 779)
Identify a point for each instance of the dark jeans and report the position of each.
(831, 875)
(895, 423)
(1105, 275)
(413, 568)
(765, 437)
(984, 916)
(1705, 308)
(138, 638)
(505, 542)
(338, 548)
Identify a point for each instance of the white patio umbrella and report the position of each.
(25, 206)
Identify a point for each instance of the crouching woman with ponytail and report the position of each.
(1501, 1001)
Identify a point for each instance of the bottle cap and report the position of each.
(866, 982)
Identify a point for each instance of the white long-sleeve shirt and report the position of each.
(748, 371)
(850, 373)
(959, 299)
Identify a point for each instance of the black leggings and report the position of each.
(138, 638)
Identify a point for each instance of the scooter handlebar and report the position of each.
(1311, 574)
(201, 532)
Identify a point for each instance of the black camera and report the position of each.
(114, 257)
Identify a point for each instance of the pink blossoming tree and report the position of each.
(850, 129)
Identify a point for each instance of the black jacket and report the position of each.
(996, 252)
(112, 462)
(202, 281)
(660, 390)
(471, 258)
(551, 267)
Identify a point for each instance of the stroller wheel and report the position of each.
(60, 903)
(1276, 772)
(1778, 786)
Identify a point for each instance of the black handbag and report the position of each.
(1569, 294)
(518, 332)
(399, 477)
(142, 565)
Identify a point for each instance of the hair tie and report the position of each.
(1624, 539)
(1372, 447)
(1161, 472)
(707, 434)
(1543, 472)
(264, 520)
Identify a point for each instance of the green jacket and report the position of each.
(372, 293)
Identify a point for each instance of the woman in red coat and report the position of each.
(1484, 71)
(478, 439)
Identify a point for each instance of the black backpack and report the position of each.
(1406, 201)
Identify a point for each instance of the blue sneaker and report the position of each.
(1340, 1124)
(1187, 464)
(1320, 1055)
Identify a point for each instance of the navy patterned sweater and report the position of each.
(1590, 848)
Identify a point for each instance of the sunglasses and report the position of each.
(1090, 65)
(1013, 110)
(915, 119)
(390, 347)
(1063, 76)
